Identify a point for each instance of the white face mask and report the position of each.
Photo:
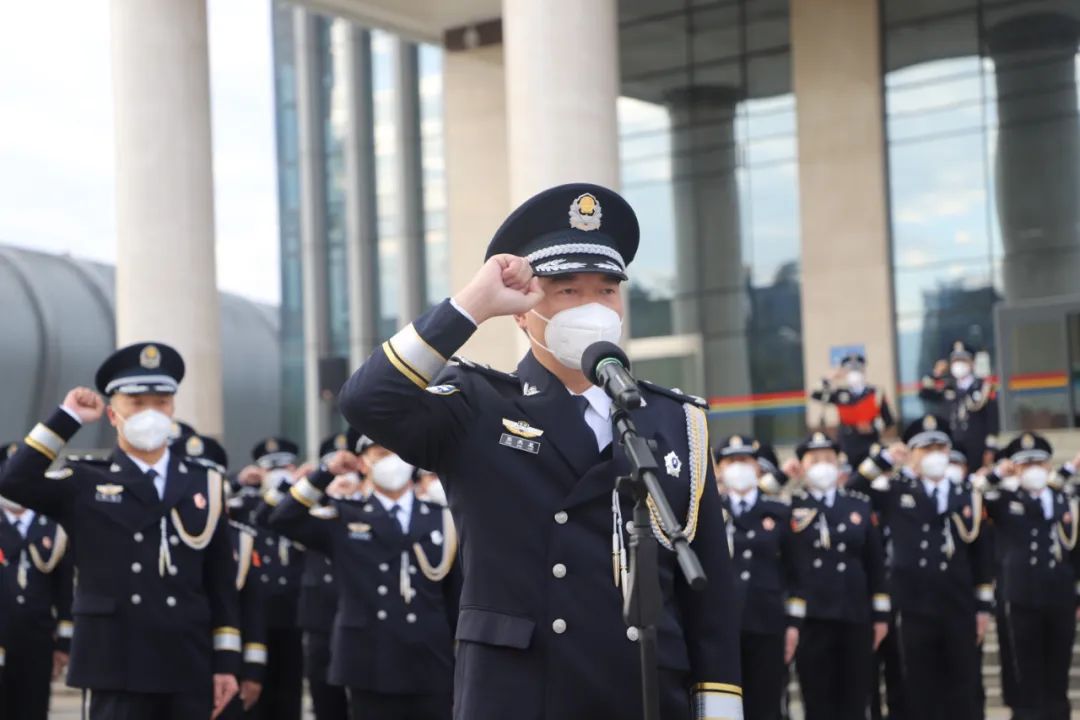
(1034, 478)
(435, 493)
(955, 473)
(569, 332)
(960, 369)
(273, 478)
(934, 464)
(856, 380)
(822, 476)
(739, 477)
(146, 430)
(391, 473)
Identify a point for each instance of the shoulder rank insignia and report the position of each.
(324, 512)
(528, 390)
(61, 474)
(443, 389)
(522, 429)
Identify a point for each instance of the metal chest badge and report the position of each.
(520, 436)
(672, 464)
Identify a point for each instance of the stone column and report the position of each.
(412, 269)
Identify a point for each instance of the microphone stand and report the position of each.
(643, 604)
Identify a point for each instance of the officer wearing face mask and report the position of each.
(969, 402)
(769, 583)
(940, 568)
(275, 460)
(1037, 530)
(156, 612)
(529, 460)
(392, 643)
(840, 554)
(864, 411)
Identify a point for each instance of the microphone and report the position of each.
(606, 365)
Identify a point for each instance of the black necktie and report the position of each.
(742, 507)
(934, 499)
(394, 510)
(582, 403)
(151, 475)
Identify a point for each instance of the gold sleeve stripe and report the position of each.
(48, 437)
(305, 493)
(711, 705)
(882, 603)
(984, 593)
(255, 653)
(65, 629)
(227, 638)
(796, 607)
(39, 447)
(3, 656)
(417, 354)
(718, 688)
(402, 367)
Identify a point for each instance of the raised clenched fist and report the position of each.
(343, 462)
(86, 404)
(505, 285)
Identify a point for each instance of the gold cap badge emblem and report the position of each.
(272, 446)
(585, 213)
(194, 446)
(150, 357)
(929, 423)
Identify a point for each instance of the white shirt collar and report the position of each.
(829, 496)
(598, 415)
(749, 498)
(20, 522)
(943, 494)
(161, 467)
(965, 382)
(1046, 497)
(405, 503)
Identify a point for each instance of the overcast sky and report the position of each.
(56, 148)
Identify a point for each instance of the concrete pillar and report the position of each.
(562, 81)
(361, 219)
(166, 283)
(846, 264)
(477, 182)
(412, 269)
(711, 299)
(312, 224)
(1037, 168)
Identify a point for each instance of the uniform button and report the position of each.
(410, 618)
(817, 562)
(629, 526)
(328, 578)
(136, 599)
(632, 634)
(817, 544)
(21, 600)
(745, 575)
(383, 567)
(265, 577)
(282, 581)
(173, 540)
(558, 570)
(266, 558)
(1034, 546)
(1034, 561)
(1034, 532)
(841, 527)
(138, 537)
(170, 601)
(327, 561)
(381, 614)
(750, 534)
(926, 527)
(944, 566)
(748, 554)
(924, 544)
(922, 562)
(561, 517)
(136, 567)
(841, 567)
(412, 569)
(559, 626)
(270, 542)
(382, 590)
(1053, 563)
(841, 547)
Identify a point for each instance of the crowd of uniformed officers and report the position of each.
(173, 585)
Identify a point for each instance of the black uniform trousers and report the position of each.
(940, 660)
(283, 687)
(887, 665)
(330, 701)
(382, 706)
(113, 705)
(835, 663)
(1005, 653)
(763, 674)
(27, 674)
(1042, 641)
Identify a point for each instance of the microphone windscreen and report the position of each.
(598, 351)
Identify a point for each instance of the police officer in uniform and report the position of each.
(969, 402)
(39, 595)
(940, 568)
(1037, 532)
(839, 552)
(156, 612)
(393, 636)
(770, 597)
(275, 461)
(863, 409)
(529, 461)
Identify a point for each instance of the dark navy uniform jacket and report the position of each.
(40, 583)
(540, 632)
(136, 629)
(1039, 557)
(940, 564)
(380, 642)
(318, 593)
(972, 413)
(769, 581)
(283, 563)
(253, 628)
(839, 550)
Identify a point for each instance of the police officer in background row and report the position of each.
(156, 613)
(38, 593)
(1037, 532)
(399, 585)
(940, 571)
(863, 409)
(841, 558)
(770, 596)
(208, 452)
(969, 403)
(529, 461)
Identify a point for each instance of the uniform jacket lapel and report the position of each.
(125, 472)
(177, 482)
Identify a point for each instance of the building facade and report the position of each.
(811, 176)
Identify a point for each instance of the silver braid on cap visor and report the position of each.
(577, 249)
